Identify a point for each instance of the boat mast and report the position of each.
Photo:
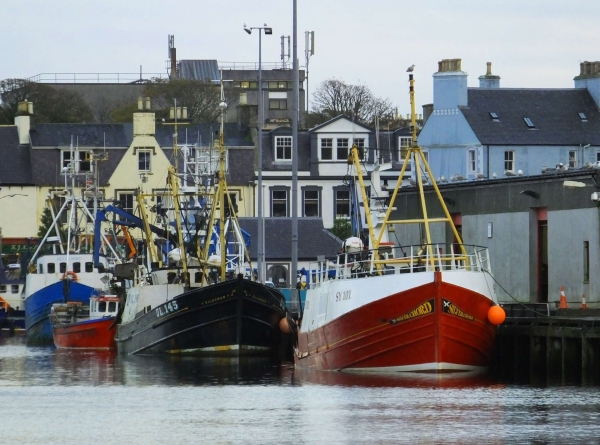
(222, 185)
(174, 180)
(419, 157)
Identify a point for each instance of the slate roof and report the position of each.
(15, 162)
(554, 112)
(204, 134)
(337, 118)
(313, 239)
(268, 157)
(206, 70)
(87, 135)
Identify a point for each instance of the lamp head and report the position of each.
(268, 31)
(248, 30)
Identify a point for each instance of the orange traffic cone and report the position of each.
(563, 299)
(583, 305)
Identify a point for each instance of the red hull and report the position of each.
(91, 334)
(435, 327)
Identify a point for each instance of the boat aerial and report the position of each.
(75, 326)
(383, 306)
(196, 292)
(62, 268)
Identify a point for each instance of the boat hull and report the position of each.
(230, 318)
(434, 327)
(88, 334)
(39, 303)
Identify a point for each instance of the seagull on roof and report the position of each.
(410, 69)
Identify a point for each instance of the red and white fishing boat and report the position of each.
(91, 327)
(383, 307)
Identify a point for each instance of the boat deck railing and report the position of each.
(391, 260)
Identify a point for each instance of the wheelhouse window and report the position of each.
(327, 149)
(311, 205)
(77, 267)
(509, 160)
(62, 267)
(51, 268)
(279, 202)
(89, 266)
(283, 148)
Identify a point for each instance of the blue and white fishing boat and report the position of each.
(62, 268)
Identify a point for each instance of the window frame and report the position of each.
(329, 147)
(358, 142)
(337, 200)
(119, 198)
(311, 188)
(572, 158)
(279, 189)
(340, 146)
(285, 148)
(279, 102)
(512, 161)
(148, 155)
(472, 160)
(82, 165)
(404, 142)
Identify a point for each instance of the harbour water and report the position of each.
(50, 396)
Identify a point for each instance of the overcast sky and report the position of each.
(531, 43)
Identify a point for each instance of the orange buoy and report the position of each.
(496, 315)
(284, 326)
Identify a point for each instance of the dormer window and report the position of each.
(583, 117)
(494, 117)
(528, 122)
(81, 158)
(283, 148)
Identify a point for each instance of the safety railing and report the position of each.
(391, 260)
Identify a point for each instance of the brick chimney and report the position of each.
(589, 77)
(449, 85)
(23, 121)
(489, 80)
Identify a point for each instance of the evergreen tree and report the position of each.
(342, 228)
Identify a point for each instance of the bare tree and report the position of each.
(334, 97)
(201, 98)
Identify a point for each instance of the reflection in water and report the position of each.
(164, 400)
(397, 379)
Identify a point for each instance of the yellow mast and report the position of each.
(222, 186)
(419, 157)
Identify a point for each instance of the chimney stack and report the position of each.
(489, 80)
(23, 121)
(589, 77)
(449, 85)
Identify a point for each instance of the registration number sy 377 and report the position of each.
(342, 295)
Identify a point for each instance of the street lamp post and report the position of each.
(261, 222)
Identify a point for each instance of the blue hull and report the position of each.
(38, 305)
